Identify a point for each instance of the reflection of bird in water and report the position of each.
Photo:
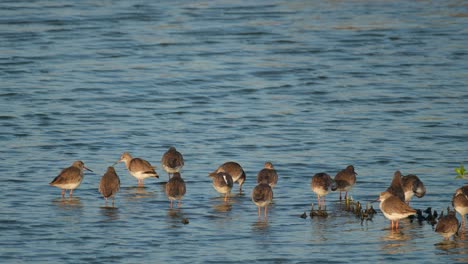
(412, 185)
(175, 188)
(394, 208)
(321, 185)
(111, 213)
(137, 192)
(109, 184)
(172, 161)
(235, 170)
(71, 203)
(223, 207)
(345, 180)
(262, 195)
(138, 168)
(460, 202)
(70, 178)
(448, 225)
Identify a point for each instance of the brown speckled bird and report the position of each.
(396, 188)
(262, 195)
(109, 184)
(175, 189)
(448, 225)
(321, 185)
(172, 161)
(460, 202)
(412, 185)
(269, 174)
(138, 168)
(345, 180)
(235, 170)
(70, 178)
(394, 208)
(222, 182)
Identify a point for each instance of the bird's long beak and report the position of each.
(376, 200)
(87, 169)
(115, 163)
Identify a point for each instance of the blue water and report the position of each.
(311, 86)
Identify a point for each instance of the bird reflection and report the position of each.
(174, 213)
(260, 226)
(135, 193)
(223, 207)
(68, 203)
(111, 213)
(396, 242)
(453, 247)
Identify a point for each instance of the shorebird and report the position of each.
(172, 161)
(109, 184)
(345, 180)
(448, 225)
(70, 178)
(396, 188)
(138, 168)
(235, 170)
(222, 182)
(269, 174)
(412, 185)
(262, 195)
(175, 188)
(394, 209)
(321, 184)
(460, 202)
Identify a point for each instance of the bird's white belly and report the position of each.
(262, 203)
(141, 175)
(69, 186)
(171, 170)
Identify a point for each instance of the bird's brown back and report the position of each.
(110, 183)
(262, 192)
(175, 186)
(395, 187)
(68, 175)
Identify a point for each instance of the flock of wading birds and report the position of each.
(394, 202)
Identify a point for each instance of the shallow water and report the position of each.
(310, 85)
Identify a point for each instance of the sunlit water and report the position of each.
(311, 86)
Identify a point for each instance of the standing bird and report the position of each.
(345, 180)
(393, 208)
(138, 168)
(70, 178)
(460, 202)
(412, 185)
(222, 182)
(172, 161)
(175, 188)
(396, 188)
(235, 170)
(262, 195)
(269, 174)
(321, 184)
(109, 184)
(447, 225)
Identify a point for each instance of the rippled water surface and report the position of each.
(311, 86)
